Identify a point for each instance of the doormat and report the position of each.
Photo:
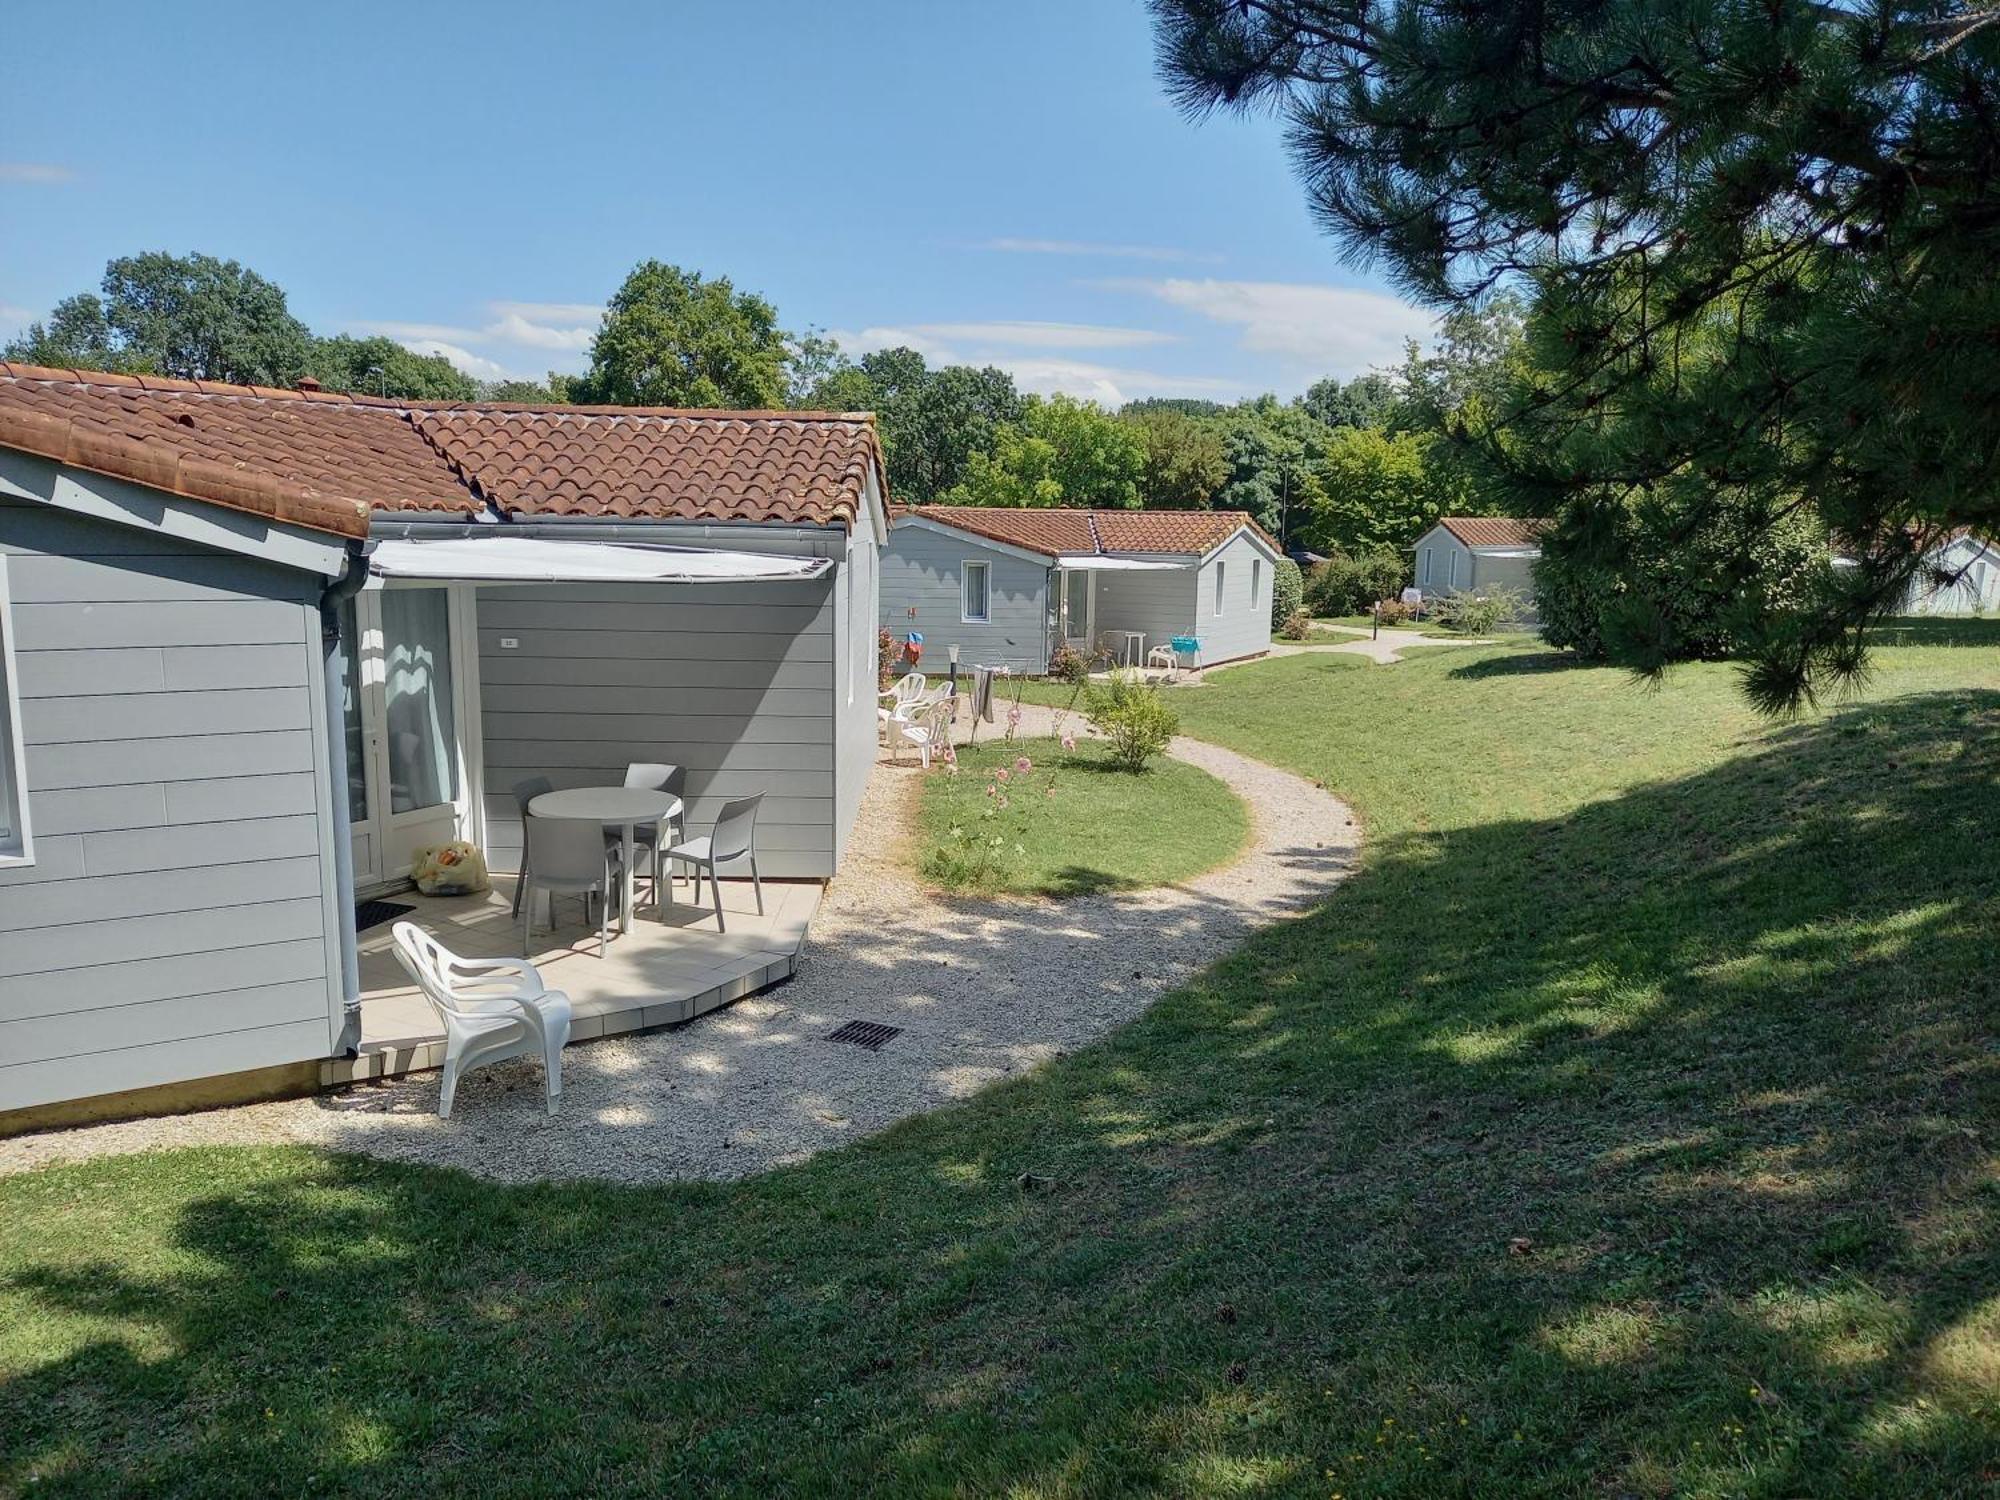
(374, 913)
(869, 1034)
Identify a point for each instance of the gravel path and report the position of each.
(982, 990)
(1385, 648)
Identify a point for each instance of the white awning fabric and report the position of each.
(1094, 562)
(506, 559)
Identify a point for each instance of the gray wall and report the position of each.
(1161, 602)
(857, 605)
(1443, 548)
(1244, 627)
(920, 570)
(735, 682)
(175, 923)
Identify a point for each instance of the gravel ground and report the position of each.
(982, 990)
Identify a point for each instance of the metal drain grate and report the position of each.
(869, 1034)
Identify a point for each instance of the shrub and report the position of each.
(1297, 626)
(1344, 585)
(1067, 664)
(1476, 614)
(1132, 717)
(1391, 611)
(1634, 577)
(888, 656)
(1288, 591)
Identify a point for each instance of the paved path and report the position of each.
(982, 991)
(1388, 647)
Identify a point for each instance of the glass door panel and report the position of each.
(418, 718)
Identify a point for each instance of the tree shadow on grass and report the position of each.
(1639, 1151)
(1520, 664)
(1937, 630)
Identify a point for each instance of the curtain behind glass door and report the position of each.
(418, 720)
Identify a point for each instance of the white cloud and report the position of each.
(1331, 329)
(475, 365)
(1017, 246)
(551, 312)
(1111, 385)
(513, 328)
(43, 172)
(1032, 335)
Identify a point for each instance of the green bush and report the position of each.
(1288, 591)
(1131, 715)
(1639, 582)
(1477, 614)
(1067, 664)
(1344, 585)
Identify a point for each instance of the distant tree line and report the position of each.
(1352, 467)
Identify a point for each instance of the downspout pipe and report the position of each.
(333, 598)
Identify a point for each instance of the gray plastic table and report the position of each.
(620, 807)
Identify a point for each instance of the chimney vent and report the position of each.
(307, 383)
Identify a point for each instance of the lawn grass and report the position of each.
(1099, 828)
(1624, 1126)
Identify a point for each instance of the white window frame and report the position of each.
(1221, 577)
(1256, 579)
(1424, 567)
(17, 844)
(965, 614)
(1453, 583)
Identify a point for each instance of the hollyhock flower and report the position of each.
(1022, 765)
(1014, 715)
(1005, 803)
(1069, 742)
(992, 790)
(1001, 774)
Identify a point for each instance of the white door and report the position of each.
(406, 767)
(1079, 599)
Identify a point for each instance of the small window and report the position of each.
(1454, 572)
(975, 605)
(1424, 567)
(1256, 581)
(1221, 570)
(15, 844)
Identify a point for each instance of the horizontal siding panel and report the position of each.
(124, 669)
(73, 627)
(96, 985)
(507, 669)
(30, 528)
(94, 808)
(44, 1038)
(27, 1084)
(811, 593)
(194, 667)
(43, 579)
(584, 695)
(541, 614)
(150, 716)
(191, 845)
(58, 857)
(242, 797)
(693, 728)
(121, 941)
(586, 763)
(103, 898)
(697, 645)
(504, 845)
(117, 763)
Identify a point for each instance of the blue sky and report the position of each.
(999, 181)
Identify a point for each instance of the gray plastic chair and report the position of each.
(567, 857)
(524, 793)
(654, 777)
(734, 838)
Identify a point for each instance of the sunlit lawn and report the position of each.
(1073, 822)
(1625, 1126)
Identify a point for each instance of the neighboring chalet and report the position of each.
(1007, 587)
(1472, 554)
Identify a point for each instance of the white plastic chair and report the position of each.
(908, 688)
(928, 728)
(568, 857)
(734, 837)
(653, 776)
(1166, 659)
(492, 1009)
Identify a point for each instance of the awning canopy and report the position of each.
(507, 559)
(1097, 562)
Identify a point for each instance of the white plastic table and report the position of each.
(1135, 646)
(620, 807)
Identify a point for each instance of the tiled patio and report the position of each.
(672, 966)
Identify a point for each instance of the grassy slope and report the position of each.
(1104, 829)
(1623, 1127)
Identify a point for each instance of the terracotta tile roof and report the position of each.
(1492, 531)
(325, 461)
(1054, 533)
